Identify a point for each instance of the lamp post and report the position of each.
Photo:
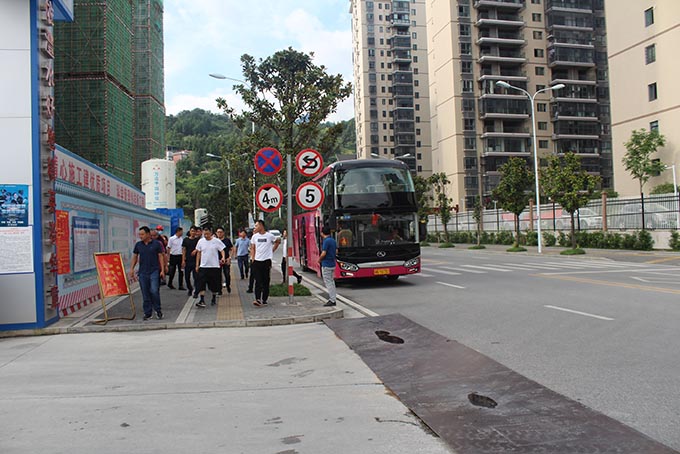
(231, 231)
(506, 85)
(223, 77)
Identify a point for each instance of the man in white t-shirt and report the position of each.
(175, 249)
(209, 260)
(262, 247)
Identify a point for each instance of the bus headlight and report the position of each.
(348, 266)
(412, 262)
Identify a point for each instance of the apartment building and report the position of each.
(532, 44)
(392, 109)
(644, 70)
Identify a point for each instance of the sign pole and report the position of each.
(289, 223)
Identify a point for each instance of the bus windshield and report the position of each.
(367, 187)
(375, 229)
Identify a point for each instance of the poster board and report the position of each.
(112, 281)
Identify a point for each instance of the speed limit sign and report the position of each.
(309, 196)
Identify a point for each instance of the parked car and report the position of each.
(657, 216)
(586, 218)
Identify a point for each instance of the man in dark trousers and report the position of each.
(151, 260)
(262, 247)
(228, 252)
(175, 250)
(189, 259)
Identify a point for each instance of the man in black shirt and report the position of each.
(189, 259)
(228, 252)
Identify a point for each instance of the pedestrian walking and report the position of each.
(226, 266)
(175, 263)
(149, 254)
(157, 237)
(262, 247)
(327, 260)
(242, 253)
(209, 260)
(189, 260)
(284, 259)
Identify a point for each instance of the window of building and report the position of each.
(382, 89)
(371, 52)
(536, 2)
(384, 113)
(470, 163)
(382, 41)
(369, 17)
(468, 86)
(539, 70)
(415, 47)
(379, 16)
(384, 138)
(649, 17)
(415, 59)
(651, 91)
(413, 23)
(542, 144)
(371, 65)
(536, 17)
(541, 107)
(415, 70)
(464, 29)
(416, 83)
(654, 125)
(538, 34)
(414, 35)
(468, 124)
(468, 105)
(466, 67)
(382, 65)
(463, 10)
(470, 143)
(650, 54)
(413, 12)
(382, 53)
(417, 107)
(538, 53)
(540, 87)
(466, 48)
(418, 144)
(417, 119)
(387, 6)
(543, 125)
(417, 132)
(369, 5)
(417, 95)
(371, 41)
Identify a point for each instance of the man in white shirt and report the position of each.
(262, 247)
(209, 260)
(175, 249)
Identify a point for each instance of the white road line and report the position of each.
(491, 268)
(421, 274)
(184, 314)
(568, 265)
(461, 269)
(607, 271)
(451, 285)
(450, 273)
(600, 317)
(543, 266)
(520, 266)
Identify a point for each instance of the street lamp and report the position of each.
(504, 84)
(223, 77)
(231, 231)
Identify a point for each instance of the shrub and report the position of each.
(282, 290)
(644, 241)
(674, 241)
(612, 240)
(424, 244)
(531, 238)
(628, 241)
(505, 237)
(446, 245)
(564, 240)
(549, 239)
(577, 251)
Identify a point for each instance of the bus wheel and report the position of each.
(392, 278)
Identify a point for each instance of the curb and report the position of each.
(280, 321)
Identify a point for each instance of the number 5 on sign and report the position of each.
(309, 196)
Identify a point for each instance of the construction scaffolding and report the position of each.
(109, 85)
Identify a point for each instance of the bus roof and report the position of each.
(359, 163)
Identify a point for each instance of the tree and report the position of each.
(444, 204)
(638, 161)
(514, 190)
(663, 188)
(291, 97)
(565, 182)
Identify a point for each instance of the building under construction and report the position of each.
(109, 84)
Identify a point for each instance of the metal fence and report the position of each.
(654, 212)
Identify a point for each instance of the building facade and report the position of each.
(532, 44)
(643, 70)
(392, 109)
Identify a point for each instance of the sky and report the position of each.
(209, 36)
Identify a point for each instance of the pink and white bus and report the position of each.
(370, 206)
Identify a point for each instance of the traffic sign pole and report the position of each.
(289, 219)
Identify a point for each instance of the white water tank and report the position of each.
(158, 183)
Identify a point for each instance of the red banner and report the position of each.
(111, 274)
(63, 243)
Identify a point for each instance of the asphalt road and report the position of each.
(601, 331)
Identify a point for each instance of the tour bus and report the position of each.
(370, 207)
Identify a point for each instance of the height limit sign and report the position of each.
(269, 197)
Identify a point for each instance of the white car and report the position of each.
(276, 233)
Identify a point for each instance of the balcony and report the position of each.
(569, 22)
(519, 133)
(487, 37)
(569, 81)
(402, 91)
(487, 19)
(572, 6)
(403, 113)
(515, 5)
(502, 56)
(400, 7)
(574, 112)
(400, 42)
(404, 127)
(511, 109)
(576, 130)
(578, 146)
(506, 147)
(487, 74)
(405, 139)
(400, 20)
(401, 56)
(562, 56)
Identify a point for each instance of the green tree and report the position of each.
(514, 189)
(290, 96)
(567, 183)
(443, 203)
(637, 160)
(663, 188)
(423, 197)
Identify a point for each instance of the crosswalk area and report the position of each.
(434, 268)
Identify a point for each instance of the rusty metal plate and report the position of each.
(436, 377)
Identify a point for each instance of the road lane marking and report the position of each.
(610, 284)
(666, 259)
(544, 266)
(464, 270)
(608, 271)
(491, 268)
(579, 313)
(450, 273)
(451, 285)
(420, 274)
(520, 266)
